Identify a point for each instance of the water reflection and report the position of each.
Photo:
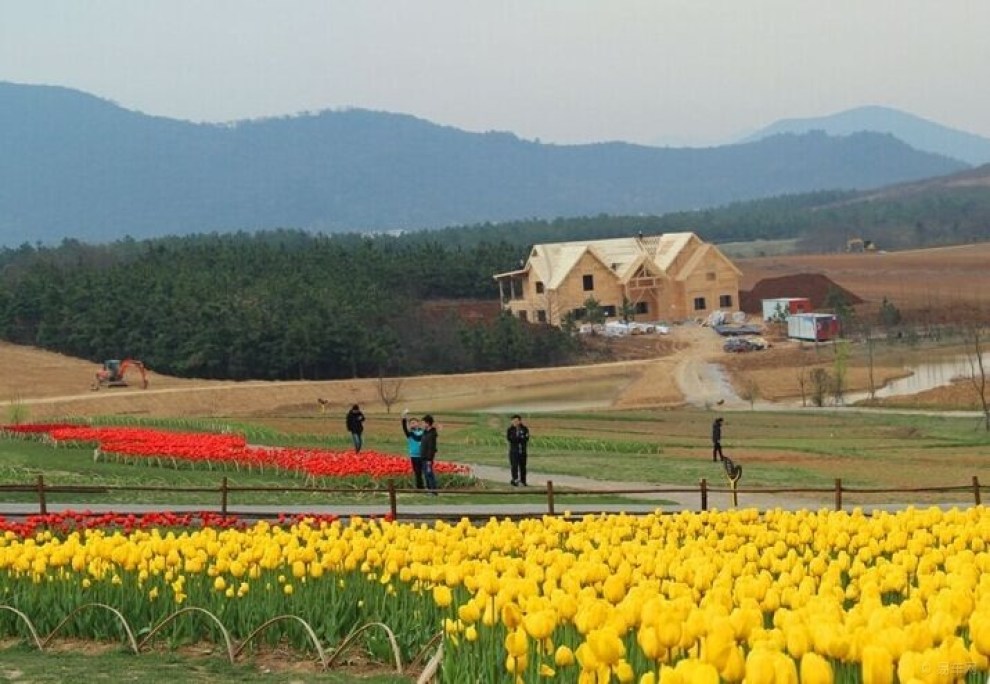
(925, 376)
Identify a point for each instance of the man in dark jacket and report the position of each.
(717, 440)
(355, 425)
(428, 452)
(518, 437)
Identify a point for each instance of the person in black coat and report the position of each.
(428, 452)
(518, 438)
(717, 440)
(355, 425)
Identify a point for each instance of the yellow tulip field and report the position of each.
(737, 596)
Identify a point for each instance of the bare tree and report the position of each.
(750, 392)
(839, 365)
(821, 382)
(802, 379)
(389, 391)
(978, 370)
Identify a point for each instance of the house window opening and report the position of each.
(699, 304)
(539, 287)
(588, 282)
(725, 301)
(541, 316)
(642, 307)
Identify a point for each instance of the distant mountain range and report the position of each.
(73, 165)
(919, 133)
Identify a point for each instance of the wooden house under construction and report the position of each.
(669, 277)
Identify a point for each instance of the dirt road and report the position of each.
(50, 385)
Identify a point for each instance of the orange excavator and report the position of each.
(113, 372)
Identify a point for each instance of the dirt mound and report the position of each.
(813, 286)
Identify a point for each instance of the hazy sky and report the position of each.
(667, 71)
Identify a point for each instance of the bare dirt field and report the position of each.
(686, 367)
(682, 368)
(937, 282)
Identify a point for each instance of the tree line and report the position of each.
(272, 305)
(820, 221)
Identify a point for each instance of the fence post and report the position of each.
(704, 494)
(42, 505)
(838, 494)
(550, 509)
(393, 506)
(223, 496)
(976, 489)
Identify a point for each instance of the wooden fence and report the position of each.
(42, 492)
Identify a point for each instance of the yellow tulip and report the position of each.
(442, 595)
(815, 670)
(735, 666)
(563, 656)
(511, 615)
(607, 646)
(516, 643)
(979, 631)
(669, 633)
(694, 672)
(624, 672)
(516, 664)
(614, 589)
(761, 667)
(649, 642)
(718, 645)
(540, 625)
(469, 612)
(877, 665)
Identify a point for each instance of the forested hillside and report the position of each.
(289, 304)
(280, 305)
(950, 210)
(75, 166)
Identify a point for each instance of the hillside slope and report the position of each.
(917, 132)
(77, 166)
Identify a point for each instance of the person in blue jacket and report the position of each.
(414, 437)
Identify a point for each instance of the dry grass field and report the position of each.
(931, 284)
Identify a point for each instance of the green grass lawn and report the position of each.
(22, 461)
(799, 448)
(670, 447)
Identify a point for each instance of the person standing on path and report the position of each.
(355, 425)
(518, 437)
(717, 440)
(414, 437)
(428, 452)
